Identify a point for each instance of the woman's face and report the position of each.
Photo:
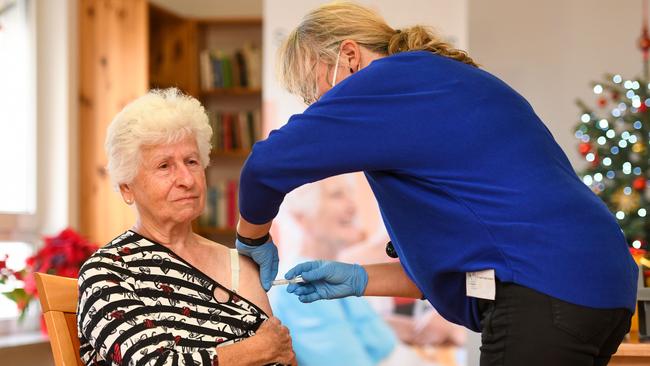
(170, 184)
(324, 80)
(328, 75)
(337, 212)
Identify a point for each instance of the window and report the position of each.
(17, 103)
(17, 142)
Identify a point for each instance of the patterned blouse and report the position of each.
(140, 304)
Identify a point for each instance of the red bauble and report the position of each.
(639, 184)
(584, 148)
(615, 96)
(643, 107)
(644, 40)
(602, 102)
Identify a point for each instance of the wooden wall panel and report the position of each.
(174, 52)
(113, 48)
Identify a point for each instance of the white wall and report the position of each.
(551, 50)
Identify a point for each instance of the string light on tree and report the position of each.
(613, 140)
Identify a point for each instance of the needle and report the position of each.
(297, 279)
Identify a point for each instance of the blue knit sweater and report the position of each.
(467, 178)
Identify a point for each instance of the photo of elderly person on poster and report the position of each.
(323, 220)
(159, 293)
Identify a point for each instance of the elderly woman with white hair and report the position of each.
(159, 293)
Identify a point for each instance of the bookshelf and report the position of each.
(218, 61)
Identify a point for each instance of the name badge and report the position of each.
(481, 284)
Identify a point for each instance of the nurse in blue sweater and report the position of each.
(489, 220)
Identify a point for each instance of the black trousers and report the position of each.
(524, 327)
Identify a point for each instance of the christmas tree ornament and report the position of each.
(639, 147)
(626, 202)
(644, 43)
(602, 102)
(639, 183)
(584, 148)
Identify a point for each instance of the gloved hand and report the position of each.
(266, 256)
(327, 280)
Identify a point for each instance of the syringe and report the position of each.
(297, 279)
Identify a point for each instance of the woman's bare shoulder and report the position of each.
(250, 285)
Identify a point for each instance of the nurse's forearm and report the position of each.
(252, 231)
(389, 279)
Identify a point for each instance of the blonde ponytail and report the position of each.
(421, 38)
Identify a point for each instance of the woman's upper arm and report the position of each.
(250, 286)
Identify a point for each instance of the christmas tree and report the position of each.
(614, 138)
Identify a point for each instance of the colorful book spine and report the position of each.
(239, 68)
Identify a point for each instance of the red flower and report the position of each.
(186, 311)
(148, 323)
(19, 275)
(177, 340)
(61, 255)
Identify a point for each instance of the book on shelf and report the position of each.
(221, 205)
(240, 68)
(235, 131)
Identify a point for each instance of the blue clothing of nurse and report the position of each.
(455, 159)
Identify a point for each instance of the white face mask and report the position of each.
(336, 67)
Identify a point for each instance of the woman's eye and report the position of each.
(193, 162)
(163, 166)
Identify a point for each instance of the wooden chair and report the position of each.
(58, 297)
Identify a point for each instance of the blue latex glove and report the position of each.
(266, 256)
(327, 280)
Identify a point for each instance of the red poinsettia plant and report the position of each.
(61, 255)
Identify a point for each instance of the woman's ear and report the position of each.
(127, 193)
(351, 53)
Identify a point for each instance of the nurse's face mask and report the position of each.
(336, 67)
(318, 93)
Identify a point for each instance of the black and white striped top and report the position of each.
(140, 304)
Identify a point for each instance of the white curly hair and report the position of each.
(161, 116)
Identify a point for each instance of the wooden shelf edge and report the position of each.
(234, 91)
(230, 21)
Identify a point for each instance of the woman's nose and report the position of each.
(184, 176)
